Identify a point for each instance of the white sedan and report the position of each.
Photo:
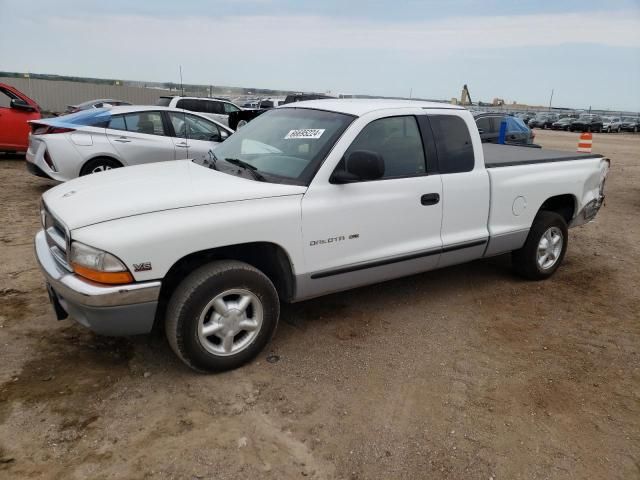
(91, 141)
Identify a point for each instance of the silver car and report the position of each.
(91, 141)
(611, 124)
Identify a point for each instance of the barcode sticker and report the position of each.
(305, 133)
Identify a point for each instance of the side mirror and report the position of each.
(20, 104)
(361, 165)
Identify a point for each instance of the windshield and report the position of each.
(286, 145)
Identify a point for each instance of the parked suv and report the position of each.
(489, 128)
(587, 122)
(630, 124)
(215, 108)
(611, 124)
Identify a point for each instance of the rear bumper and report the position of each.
(107, 310)
(588, 212)
(37, 171)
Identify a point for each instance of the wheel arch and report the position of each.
(270, 258)
(564, 205)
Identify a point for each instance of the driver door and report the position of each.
(368, 231)
(195, 136)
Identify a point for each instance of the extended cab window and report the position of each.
(453, 143)
(399, 142)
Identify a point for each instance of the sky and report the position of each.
(587, 52)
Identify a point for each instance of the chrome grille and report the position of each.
(57, 238)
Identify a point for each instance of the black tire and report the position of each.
(190, 300)
(99, 164)
(635, 129)
(525, 260)
(570, 129)
(608, 129)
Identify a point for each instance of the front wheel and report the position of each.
(544, 249)
(221, 316)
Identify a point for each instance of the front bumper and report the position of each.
(113, 310)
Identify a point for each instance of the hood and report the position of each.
(129, 191)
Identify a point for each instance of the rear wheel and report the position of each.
(221, 316)
(241, 124)
(101, 164)
(544, 249)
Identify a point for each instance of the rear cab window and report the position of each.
(453, 144)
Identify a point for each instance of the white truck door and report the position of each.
(362, 232)
(466, 190)
(140, 137)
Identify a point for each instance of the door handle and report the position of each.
(430, 198)
(183, 145)
(122, 140)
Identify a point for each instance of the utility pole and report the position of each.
(181, 86)
(411, 92)
(551, 99)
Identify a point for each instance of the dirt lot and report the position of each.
(466, 372)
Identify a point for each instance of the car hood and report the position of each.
(129, 191)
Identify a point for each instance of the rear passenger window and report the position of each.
(399, 142)
(145, 122)
(453, 143)
(117, 123)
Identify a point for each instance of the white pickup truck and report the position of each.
(307, 199)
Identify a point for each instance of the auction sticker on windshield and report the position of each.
(305, 133)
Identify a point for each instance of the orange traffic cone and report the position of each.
(584, 144)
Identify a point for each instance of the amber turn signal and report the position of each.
(112, 278)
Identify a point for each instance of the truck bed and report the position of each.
(496, 156)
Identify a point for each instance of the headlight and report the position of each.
(98, 265)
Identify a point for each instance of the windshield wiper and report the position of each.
(247, 166)
(211, 161)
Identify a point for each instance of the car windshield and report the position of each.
(285, 145)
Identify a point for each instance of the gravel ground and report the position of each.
(462, 373)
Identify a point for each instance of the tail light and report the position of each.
(49, 161)
(41, 129)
